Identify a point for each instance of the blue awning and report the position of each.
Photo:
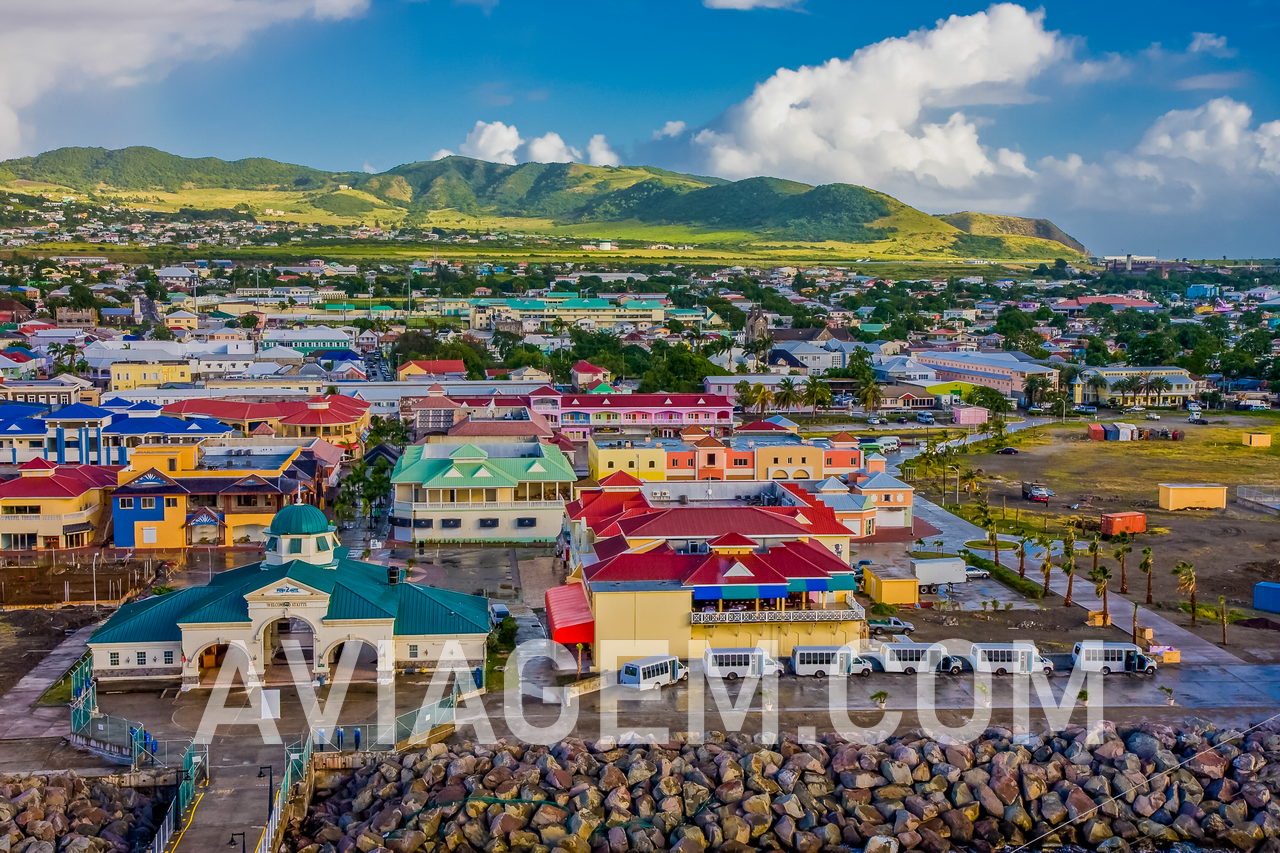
(808, 585)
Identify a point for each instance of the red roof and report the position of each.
(761, 426)
(437, 365)
(620, 478)
(584, 366)
(732, 540)
(68, 481)
(340, 409)
(569, 614)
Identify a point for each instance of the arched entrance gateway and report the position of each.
(305, 596)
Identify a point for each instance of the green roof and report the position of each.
(357, 591)
(490, 466)
(299, 520)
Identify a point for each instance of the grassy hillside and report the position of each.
(568, 199)
(994, 225)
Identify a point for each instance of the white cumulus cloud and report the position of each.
(55, 45)
(891, 115)
(599, 153)
(1210, 43)
(670, 130)
(550, 148)
(492, 140)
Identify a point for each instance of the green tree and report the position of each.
(787, 395)
(1146, 567)
(1122, 550)
(1101, 577)
(1186, 574)
(815, 394)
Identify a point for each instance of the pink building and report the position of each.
(970, 415)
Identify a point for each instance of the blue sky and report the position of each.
(1115, 119)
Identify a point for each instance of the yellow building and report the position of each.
(51, 506)
(1256, 439)
(176, 496)
(891, 585)
(1174, 496)
(182, 320)
(662, 601)
(131, 375)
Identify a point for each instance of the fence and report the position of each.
(193, 768)
(297, 770)
(1263, 497)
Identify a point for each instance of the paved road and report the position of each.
(20, 715)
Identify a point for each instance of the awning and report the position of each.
(843, 582)
(808, 585)
(741, 591)
(80, 527)
(569, 614)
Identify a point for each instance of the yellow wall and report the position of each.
(1256, 439)
(636, 461)
(1203, 496)
(806, 463)
(129, 376)
(890, 590)
(777, 638)
(625, 620)
(188, 323)
(171, 530)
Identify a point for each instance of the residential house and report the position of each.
(49, 506)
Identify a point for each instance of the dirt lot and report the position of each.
(27, 635)
(1066, 624)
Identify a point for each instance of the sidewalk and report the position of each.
(235, 800)
(20, 717)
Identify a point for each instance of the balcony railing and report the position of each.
(68, 517)
(849, 613)
(407, 508)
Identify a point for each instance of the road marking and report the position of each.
(191, 815)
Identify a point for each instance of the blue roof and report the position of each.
(78, 412)
(116, 312)
(146, 406)
(166, 424)
(116, 403)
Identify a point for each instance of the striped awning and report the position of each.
(843, 583)
(738, 592)
(808, 585)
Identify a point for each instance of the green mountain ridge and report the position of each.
(761, 209)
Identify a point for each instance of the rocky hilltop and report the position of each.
(1143, 788)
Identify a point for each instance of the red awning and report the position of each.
(569, 614)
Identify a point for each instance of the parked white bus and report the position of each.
(909, 658)
(746, 662)
(1104, 657)
(654, 671)
(1007, 658)
(820, 661)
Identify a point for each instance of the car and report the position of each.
(973, 573)
(498, 611)
(1196, 419)
(1134, 410)
(875, 420)
(902, 420)
(892, 625)
(1152, 416)
(1035, 410)
(1008, 451)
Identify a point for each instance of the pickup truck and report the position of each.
(1036, 492)
(892, 625)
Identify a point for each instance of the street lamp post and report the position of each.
(269, 772)
(232, 841)
(94, 569)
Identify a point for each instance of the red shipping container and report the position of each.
(1123, 522)
(1097, 433)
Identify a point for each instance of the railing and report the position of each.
(1265, 497)
(296, 769)
(845, 614)
(66, 517)
(194, 768)
(407, 508)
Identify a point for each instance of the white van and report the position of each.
(909, 658)
(1006, 658)
(745, 662)
(889, 443)
(820, 661)
(655, 671)
(1106, 658)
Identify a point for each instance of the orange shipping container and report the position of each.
(1123, 522)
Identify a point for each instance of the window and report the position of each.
(173, 464)
(451, 523)
(170, 502)
(413, 650)
(148, 503)
(610, 463)
(148, 536)
(741, 463)
(246, 500)
(168, 658)
(140, 658)
(126, 503)
(526, 522)
(113, 659)
(295, 545)
(488, 522)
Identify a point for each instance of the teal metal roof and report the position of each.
(299, 520)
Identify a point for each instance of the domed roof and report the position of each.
(299, 520)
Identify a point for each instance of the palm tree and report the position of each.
(1095, 551)
(1037, 385)
(1145, 567)
(869, 395)
(786, 395)
(1123, 549)
(1069, 565)
(1126, 389)
(1046, 563)
(997, 425)
(1158, 386)
(1023, 544)
(969, 481)
(815, 394)
(1101, 578)
(1186, 575)
(762, 398)
(1096, 383)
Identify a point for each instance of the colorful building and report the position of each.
(336, 418)
(509, 491)
(132, 375)
(306, 596)
(440, 368)
(173, 497)
(1002, 371)
(776, 454)
(49, 506)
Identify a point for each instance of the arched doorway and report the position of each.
(366, 659)
(214, 659)
(285, 635)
